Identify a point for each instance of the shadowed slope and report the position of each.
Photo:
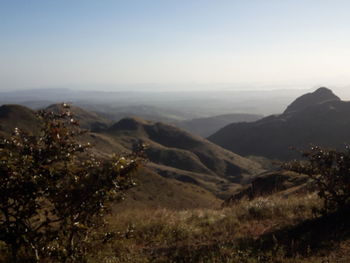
(321, 95)
(325, 122)
(12, 116)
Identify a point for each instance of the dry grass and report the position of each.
(273, 229)
(235, 234)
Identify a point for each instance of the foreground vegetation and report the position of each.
(297, 228)
(273, 229)
(55, 193)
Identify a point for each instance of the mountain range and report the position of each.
(179, 163)
(185, 170)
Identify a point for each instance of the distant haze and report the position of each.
(249, 44)
(165, 105)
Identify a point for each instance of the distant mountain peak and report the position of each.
(323, 90)
(319, 96)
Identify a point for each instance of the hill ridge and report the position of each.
(323, 122)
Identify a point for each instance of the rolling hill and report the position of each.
(180, 163)
(177, 154)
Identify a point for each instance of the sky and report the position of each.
(111, 43)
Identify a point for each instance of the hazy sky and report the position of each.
(240, 42)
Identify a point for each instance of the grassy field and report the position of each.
(263, 230)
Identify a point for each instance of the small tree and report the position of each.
(54, 192)
(330, 170)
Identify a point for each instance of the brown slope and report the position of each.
(324, 123)
(153, 190)
(178, 154)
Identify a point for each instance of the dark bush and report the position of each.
(330, 171)
(54, 193)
